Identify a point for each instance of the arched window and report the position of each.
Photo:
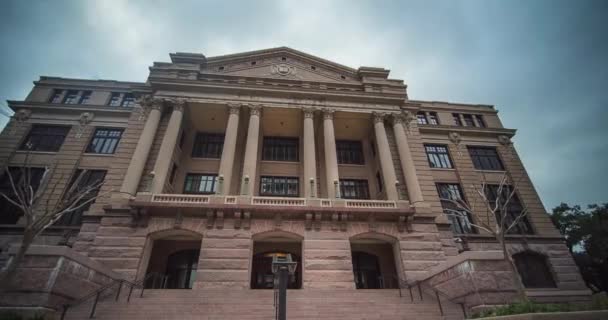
(534, 270)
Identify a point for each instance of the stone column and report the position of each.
(310, 163)
(251, 151)
(331, 160)
(167, 146)
(386, 160)
(227, 160)
(140, 155)
(407, 163)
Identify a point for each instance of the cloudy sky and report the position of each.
(543, 64)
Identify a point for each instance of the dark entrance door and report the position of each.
(366, 268)
(261, 272)
(181, 269)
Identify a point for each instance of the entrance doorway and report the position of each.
(173, 264)
(264, 250)
(374, 264)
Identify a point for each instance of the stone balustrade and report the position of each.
(371, 204)
(180, 198)
(278, 201)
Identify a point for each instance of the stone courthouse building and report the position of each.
(215, 165)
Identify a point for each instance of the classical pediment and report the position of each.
(281, 63)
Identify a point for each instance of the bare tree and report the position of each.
(26, 195)
(499, 215)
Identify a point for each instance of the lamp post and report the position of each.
(282, 267)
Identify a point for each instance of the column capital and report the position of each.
(255, 109)
(178, 104)
(309, 112)
(398, 118)
(328, 114)
(234, 108)
(378, 117)
(156, 104)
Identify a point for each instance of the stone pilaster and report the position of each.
(310, 166)
(227, 160)
(386, 160)
(407, 163)
(140, 155)
(164, 160)
(251, 151)
(331, 159)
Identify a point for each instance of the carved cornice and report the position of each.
(504, 140)
(22, 115)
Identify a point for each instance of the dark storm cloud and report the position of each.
(541, 63)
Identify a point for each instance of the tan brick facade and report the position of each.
(216, 95)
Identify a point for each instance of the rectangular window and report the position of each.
(104, 141)
(438, 156)
(114, 99)
(485, 158)
(480, 121)
(468, 120)
(200, 183)
(433, 119)
(208, 145)
(71, 97)
(10, 214)
(81, 180)
(450, 195)
(457, 121)
(349, 152)
(512, 205)
(56, 96)
(280, 149)
(85, 97)
(279, 186)
(421, 118)
(128, 100)
(354, 189)
(45, 138)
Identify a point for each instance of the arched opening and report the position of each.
(534, 270)
(269, 245)
(374, 262)
(173, 260)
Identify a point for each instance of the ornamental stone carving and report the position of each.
(378, 117)
(455, 137)
(21, 116)
(179, 104)
(255, 109)
(83, 121)
(234, 108)
(504, 140)
(309, 112)
(283, 69)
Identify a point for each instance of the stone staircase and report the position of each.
(241, 304)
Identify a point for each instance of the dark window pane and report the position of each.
(280, 149)
(468, 120)
(85, 98)
(421, 118)
(534, 270)
(438, 156)
(480, 121)
(114, 99)
(433, 119)
(128, 100)
(197, 183)
(23, 178)
(71, 97)
(279, 186)
(104, 141)
(56, 96)
(513, 207)
(208, 145)
(450, 195)
(354, 189)
(349, 152)
(87, 179)
(485, 158)
(457, 120)
(45, 138)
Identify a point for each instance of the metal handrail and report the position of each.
(97, 294)
(422, 286)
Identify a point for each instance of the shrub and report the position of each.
(600, 302)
